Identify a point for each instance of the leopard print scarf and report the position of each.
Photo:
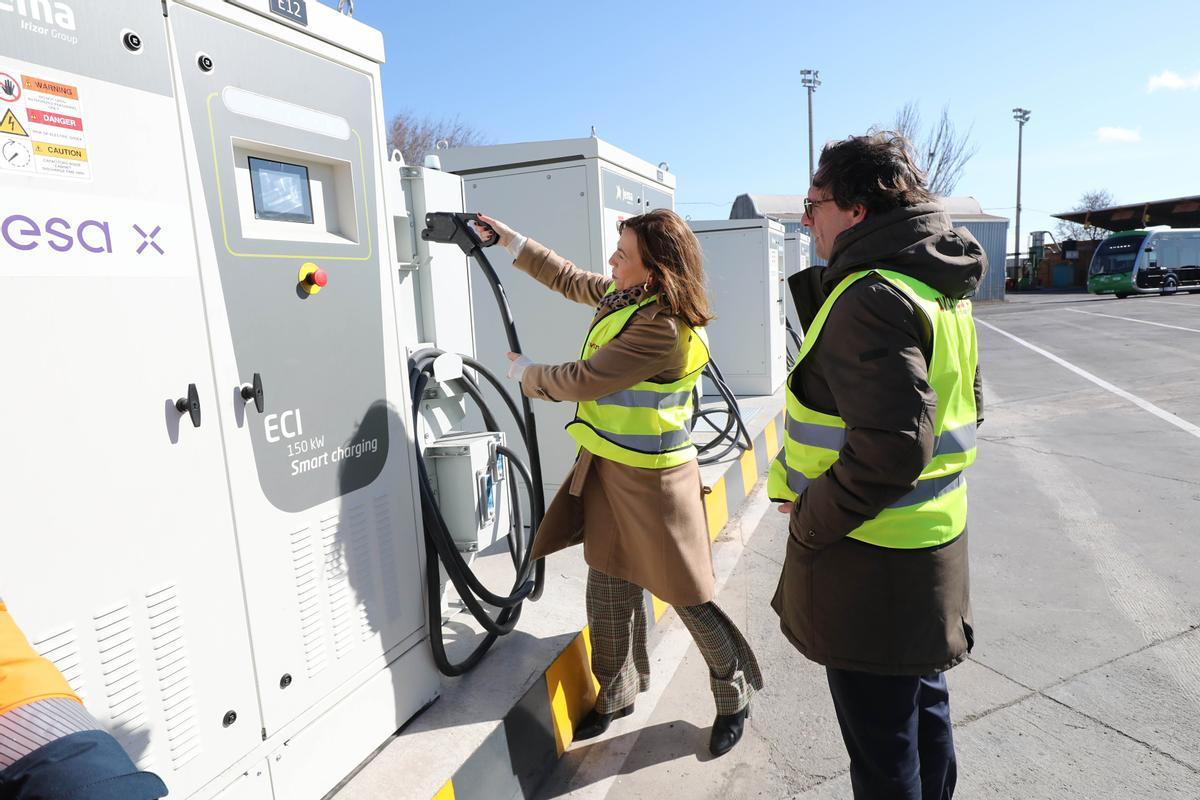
(620, 299)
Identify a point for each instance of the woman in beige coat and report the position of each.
(641, 528)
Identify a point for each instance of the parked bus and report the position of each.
(1147, 261)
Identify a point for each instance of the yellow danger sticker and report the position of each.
(69, 152)
(10, 124)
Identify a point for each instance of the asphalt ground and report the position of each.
(1085, 545)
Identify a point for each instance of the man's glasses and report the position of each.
(809, 205)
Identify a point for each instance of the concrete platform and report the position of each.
(497, 732)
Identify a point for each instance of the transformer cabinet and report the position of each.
(744, 261)
(569, 195)
(797, 256)
(211, 523)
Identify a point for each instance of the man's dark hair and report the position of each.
(876, 170)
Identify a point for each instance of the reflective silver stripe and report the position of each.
(797, 481)
(648, 443)
(825, 436)
(31, 726)
(957, 440)
(928, 490)
(644, 398)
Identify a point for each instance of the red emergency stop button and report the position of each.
(312, 278)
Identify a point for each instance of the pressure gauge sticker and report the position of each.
(16, 154)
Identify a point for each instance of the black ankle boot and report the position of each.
(596, 723)
(727, 731)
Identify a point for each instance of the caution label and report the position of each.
(59, 151)
(42, 125)
(10, 124)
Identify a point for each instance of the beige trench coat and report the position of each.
(646, 526)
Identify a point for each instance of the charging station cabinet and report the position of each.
(744, 263)
(215, 468)
(568, 195)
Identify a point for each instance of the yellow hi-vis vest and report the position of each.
(645, 425)
(25, 676)
(935, 512)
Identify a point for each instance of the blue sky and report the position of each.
(713, 87)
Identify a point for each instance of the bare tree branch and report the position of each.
(942, 152)
(1088, 201)
(908, 121)
(416, 136)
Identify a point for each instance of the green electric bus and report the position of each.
(1160, 260)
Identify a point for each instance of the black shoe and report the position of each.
(727, 731)
(596, 723)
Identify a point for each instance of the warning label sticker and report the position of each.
(10, 88)
(59, 151)
(50, 87)
(10, 124)
(57, 120)
(42, 128)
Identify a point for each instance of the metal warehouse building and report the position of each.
(965, 212)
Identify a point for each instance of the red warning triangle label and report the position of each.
(10, 124)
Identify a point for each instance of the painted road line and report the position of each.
(1131, 319)
(1178, 303)
(1145, 405)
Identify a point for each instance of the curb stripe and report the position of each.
(660, 607)
(571, 688)
(513, 760)
(749, 464)
(771, 433)
(716, 504)
(762, 455)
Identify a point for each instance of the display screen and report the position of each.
(281, 191)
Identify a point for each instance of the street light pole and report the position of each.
(1021, 115)
(810, 79)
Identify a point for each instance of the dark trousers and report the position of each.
(897, 731)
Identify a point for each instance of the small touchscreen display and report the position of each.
(281, 191)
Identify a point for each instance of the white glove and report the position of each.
(517, 366)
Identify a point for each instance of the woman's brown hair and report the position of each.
(669, 249)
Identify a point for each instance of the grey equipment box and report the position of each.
(744, 260)
(471, 484)
(569, 195)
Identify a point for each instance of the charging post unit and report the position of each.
(569, 195)
(433, 302)
(744, 262)
(797, 257)
(213, 498)
(468, 477)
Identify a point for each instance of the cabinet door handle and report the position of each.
(190, 404)
(254, 391)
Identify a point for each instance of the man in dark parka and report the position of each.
(886, 623)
